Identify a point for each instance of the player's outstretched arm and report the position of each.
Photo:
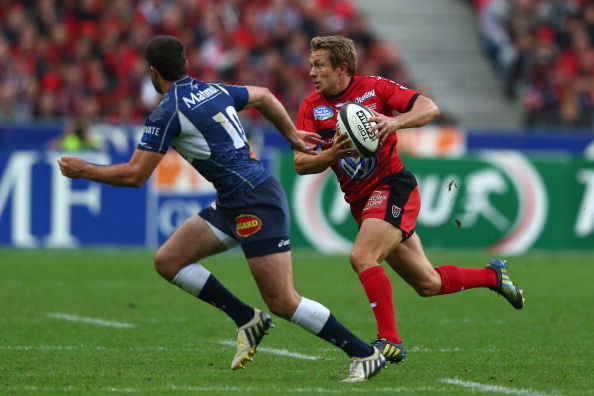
(134, 173)
(308, 164)
(270, 107)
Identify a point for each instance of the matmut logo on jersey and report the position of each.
(247, 225)
(196, 98)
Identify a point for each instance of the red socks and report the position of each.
(455, 279)
(379, 292)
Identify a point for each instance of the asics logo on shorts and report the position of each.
(284, 242)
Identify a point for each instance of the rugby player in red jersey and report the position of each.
(383, 195)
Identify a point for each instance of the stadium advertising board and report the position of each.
(41, 208)
(502, 200)
(175, 192)
(499, 200)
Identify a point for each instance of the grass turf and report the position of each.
(98, 322)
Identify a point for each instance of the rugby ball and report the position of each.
(353, 120)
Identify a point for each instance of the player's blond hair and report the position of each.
(340, 49)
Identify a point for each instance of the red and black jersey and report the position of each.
(359, 176)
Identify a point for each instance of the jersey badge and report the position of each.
(323, 113)
(396, 211)
(247, 225)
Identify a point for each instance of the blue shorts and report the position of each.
(259, 220)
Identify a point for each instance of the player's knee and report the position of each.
(278, 308)
(424, 291)
(159, 264)
(428, 287)
(162, 266)
(360, 261)
(281, 306)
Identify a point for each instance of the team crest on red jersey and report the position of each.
(396, 211)
(247, 225)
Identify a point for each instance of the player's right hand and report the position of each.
(307, 142)
(342, 145)
(71, 167)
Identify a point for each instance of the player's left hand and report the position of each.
(307, 142)
(71, 167)
(384, 126)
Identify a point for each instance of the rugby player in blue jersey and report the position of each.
(199, 120)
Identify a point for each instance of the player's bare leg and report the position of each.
(376, 238)
(411, 263)
(273, 274)
(177, 260)
(274, 277)
(191, 242)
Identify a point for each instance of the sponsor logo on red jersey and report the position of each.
(377, 198)
(247, 225)
(365, 96)
(323, 113)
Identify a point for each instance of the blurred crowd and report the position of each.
(543, 51)
(83, 60)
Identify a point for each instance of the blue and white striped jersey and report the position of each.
(199, 120)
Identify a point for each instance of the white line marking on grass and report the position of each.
(37, 347)
(284, 352)
(491, 388)
(417, 349)
(81, 347)
(232, 389)
(83, 319)
(281, 352)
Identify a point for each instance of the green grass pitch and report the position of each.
(102, 322)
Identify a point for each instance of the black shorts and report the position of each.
(396, 200)
(259, 221)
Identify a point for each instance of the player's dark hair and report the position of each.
(341, 49)
(168, 55)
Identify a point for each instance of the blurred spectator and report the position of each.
(543, 51)
(77, 135)
(56, 57)
(588, 17)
